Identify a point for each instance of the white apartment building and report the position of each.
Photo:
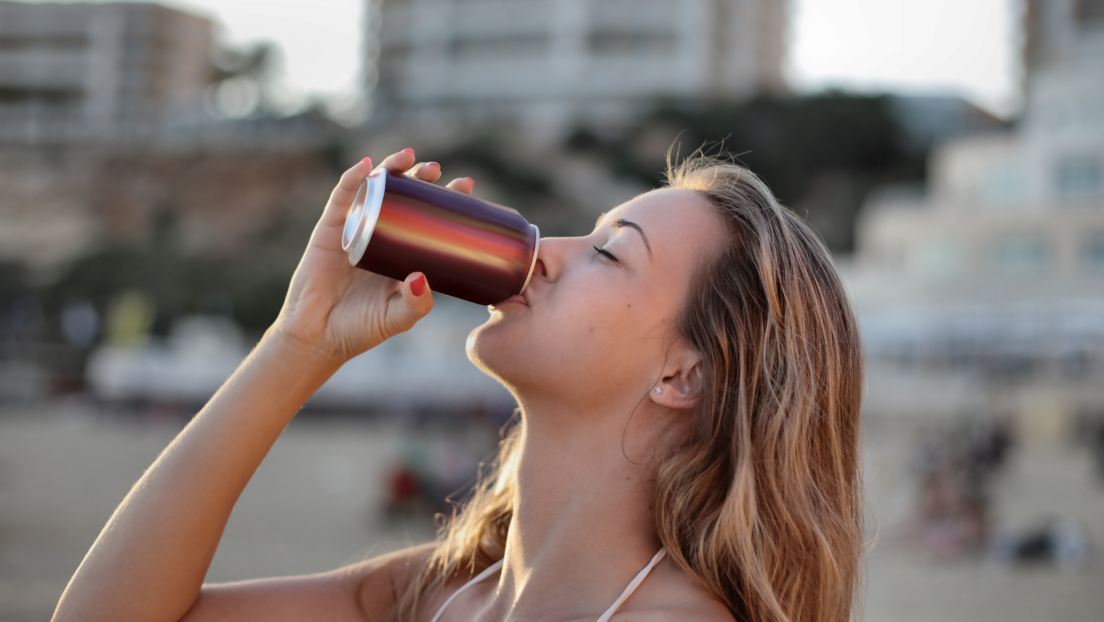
(79, 71)
(997, 269)
(1026, 202)
(548, 63)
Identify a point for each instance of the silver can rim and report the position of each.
(533, 261)
(363, 214)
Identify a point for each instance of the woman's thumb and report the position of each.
(417, 301)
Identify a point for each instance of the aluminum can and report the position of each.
(468, 248)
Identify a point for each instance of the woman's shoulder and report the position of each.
(669, 594)
(383, 580)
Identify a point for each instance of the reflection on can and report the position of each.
(469, 248)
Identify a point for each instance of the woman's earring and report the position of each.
(659, 390)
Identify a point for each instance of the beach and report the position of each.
(317, 503)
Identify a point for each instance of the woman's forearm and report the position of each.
(151, 558)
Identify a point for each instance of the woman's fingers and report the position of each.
(342, 195)
(462, 184)
(400, 162)
(426, 171)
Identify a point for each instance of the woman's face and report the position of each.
(596, 325)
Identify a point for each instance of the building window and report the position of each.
(501, 47)
(40, 96)
(611, 42)
(395, 53)
(1093, 252)
(11, 41)
(1090, 12)
(1079, 177)
(1020, 253)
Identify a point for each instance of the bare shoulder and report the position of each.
(385, 579)
(670, 595)
(381, 581)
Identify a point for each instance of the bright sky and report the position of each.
(320, 39)
(966, 47)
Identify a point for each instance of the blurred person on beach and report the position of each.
(956, 470)
(688, 379)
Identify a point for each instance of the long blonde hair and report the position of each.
(762, 503)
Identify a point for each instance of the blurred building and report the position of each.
(1053, 32)
(70, 72)
(549, 63)
(996, 270)
(133, 87)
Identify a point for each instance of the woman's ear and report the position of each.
(680, 384)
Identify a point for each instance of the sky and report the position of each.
(964, 47)
(319, 39)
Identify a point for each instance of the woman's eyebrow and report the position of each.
(621, 222)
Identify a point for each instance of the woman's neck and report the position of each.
(583, 521)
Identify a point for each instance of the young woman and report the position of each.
(688, 377)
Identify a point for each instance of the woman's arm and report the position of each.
(364, 592)
(149, 562)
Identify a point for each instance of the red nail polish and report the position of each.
(433, 164)
(418, 286)
(410, 150)
(471, 180)
(368, 160)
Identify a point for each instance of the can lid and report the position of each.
(360, 221)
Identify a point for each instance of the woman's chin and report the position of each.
(493, 350)
(479, 351)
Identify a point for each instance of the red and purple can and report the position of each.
(469, 248)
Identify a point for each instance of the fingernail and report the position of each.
(470, 180)
(368, 160)
(418, 286)
(433, 164)
(408, 149)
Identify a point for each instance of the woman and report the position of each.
(688, 377)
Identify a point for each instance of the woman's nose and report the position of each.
(550, 258)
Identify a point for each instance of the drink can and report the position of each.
(468, 248)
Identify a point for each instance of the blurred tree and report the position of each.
(510, 175)
(14, 282)
(15, 293)
(492, 156)
(820, 154)
(259, 61)
(169, 281)
(250, 287)
(244, 79)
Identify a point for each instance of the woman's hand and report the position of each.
(151, 558)
(337, 311)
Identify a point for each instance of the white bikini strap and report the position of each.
(493, 568)
(631, 587)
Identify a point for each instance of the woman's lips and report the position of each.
(516, 299)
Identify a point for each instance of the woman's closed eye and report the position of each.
(606, 254)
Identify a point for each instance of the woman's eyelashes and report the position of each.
(605, 253)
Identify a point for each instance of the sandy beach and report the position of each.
(315, 504)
